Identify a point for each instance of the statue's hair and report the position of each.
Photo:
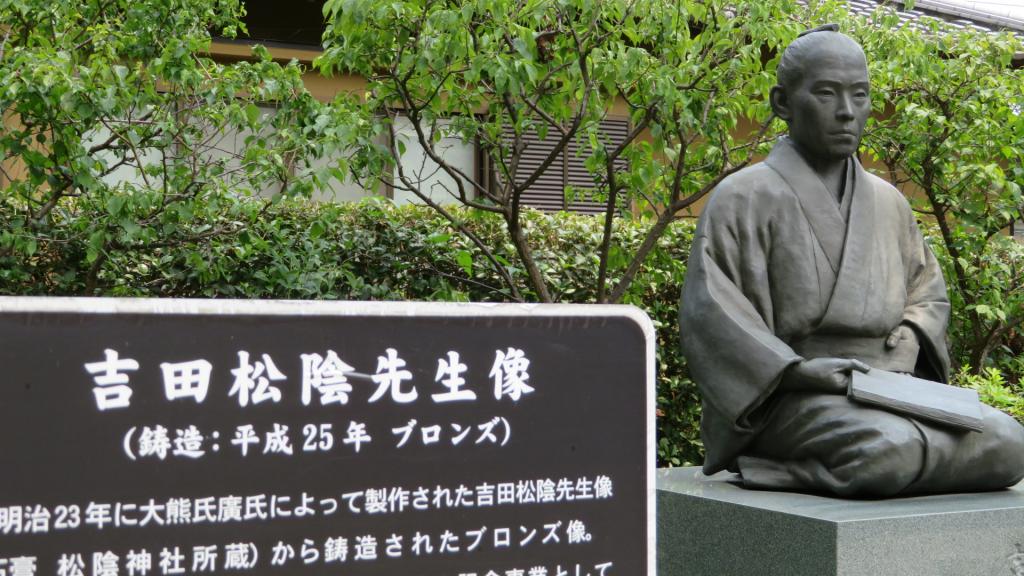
(791, 66)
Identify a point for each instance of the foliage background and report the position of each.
(373, 250)
(189, 225)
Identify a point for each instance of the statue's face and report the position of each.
(830, 104)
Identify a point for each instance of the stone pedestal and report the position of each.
(709, 526)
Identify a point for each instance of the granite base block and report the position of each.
(710, 526)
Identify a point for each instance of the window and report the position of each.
(548, 192)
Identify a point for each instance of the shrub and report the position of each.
(375, 251)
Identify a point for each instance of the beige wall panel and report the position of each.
(325, 88)
(433, 181)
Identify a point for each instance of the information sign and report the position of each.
(165, 437)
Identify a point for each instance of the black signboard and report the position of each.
(159, 437)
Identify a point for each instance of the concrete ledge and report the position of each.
(709, 526)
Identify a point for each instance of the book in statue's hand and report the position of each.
(924, 399)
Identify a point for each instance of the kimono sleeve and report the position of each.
(725, 314)
(927, 308)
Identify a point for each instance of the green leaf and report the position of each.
(316, 230)
(465, 260)
(252, 113)
(115, 204)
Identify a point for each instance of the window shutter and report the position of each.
(548, 191)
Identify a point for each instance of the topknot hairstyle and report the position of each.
(824, 28)
(790, 68)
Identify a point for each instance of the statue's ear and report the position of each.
(780, 102)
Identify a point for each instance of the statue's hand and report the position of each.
(828, 375)
(900, 333)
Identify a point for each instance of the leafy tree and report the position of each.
(114, 130)
(688, 72)
(950, 132)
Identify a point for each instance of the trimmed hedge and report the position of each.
(375, 251)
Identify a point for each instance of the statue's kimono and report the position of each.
(780, 271)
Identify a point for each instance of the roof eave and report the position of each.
(949, 9)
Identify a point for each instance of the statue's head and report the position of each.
(823, 93)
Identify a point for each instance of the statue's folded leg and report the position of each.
(829, 443)
(960, 461)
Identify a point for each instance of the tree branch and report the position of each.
(458, 224)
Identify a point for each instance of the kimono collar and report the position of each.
(818, 204)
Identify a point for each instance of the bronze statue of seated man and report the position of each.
(804, 268)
